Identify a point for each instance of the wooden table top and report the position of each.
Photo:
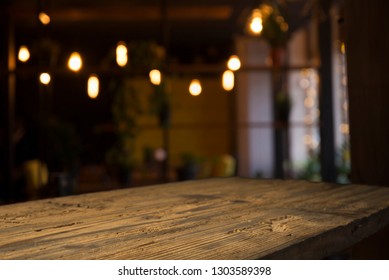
(223, 218)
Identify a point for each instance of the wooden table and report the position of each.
(230, 218)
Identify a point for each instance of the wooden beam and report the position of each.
(8, 90)
(128, 13)
(327, 140)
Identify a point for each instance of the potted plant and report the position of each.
(125, 111)
(189, 167)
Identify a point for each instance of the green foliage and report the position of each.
(343, 163)
(188, 159)
(126, 110)
(160, 104)
(311, 169)
(145, 55)
(275, 27)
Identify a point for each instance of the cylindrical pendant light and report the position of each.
(121, 54)
(93, 86)
(228, 80)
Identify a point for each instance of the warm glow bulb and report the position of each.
(344, 128)
(233, 63)
(195, 87)
(228, 80)
(93, 86)
(121, 54)
(45, 78)
(23, 54)
(44, 18)
(155, 77)
(256, 25)
(343, 48)
(75, 62)
(255, 22)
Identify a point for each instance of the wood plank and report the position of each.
(229, 218)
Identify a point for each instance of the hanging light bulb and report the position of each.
(342, 48)
(233, 63)
(155, 77)
(75, 62)
(255, 22)
(121, 54)
(44, 18)
(228, 80)
(93, 86)
(45, 78)
(24, 54)
(195, 87)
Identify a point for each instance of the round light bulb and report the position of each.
(256, 25)
(24, 54)
(75, 62)
(233, 63)
(44, 18)
(155, 77)
(45, 78)
(255, 22)
(195, 87)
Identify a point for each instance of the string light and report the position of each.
(344, 128)
(155, 77)
(75, 62)
(93, 86)
(255, 22)
(342, 48)
(45, 78)
(233, 63)
(309, 83)
(195, 87)
(228, 80)
(44, 18)
(121, 54)
(24, 54)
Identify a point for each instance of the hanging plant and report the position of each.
(275, 26)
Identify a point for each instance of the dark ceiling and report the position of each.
(191, 30)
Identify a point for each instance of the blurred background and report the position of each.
(98, 95)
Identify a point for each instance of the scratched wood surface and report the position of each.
(228, 218)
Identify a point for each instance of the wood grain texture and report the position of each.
(229, 218)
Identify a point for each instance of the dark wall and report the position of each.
(367, 45)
